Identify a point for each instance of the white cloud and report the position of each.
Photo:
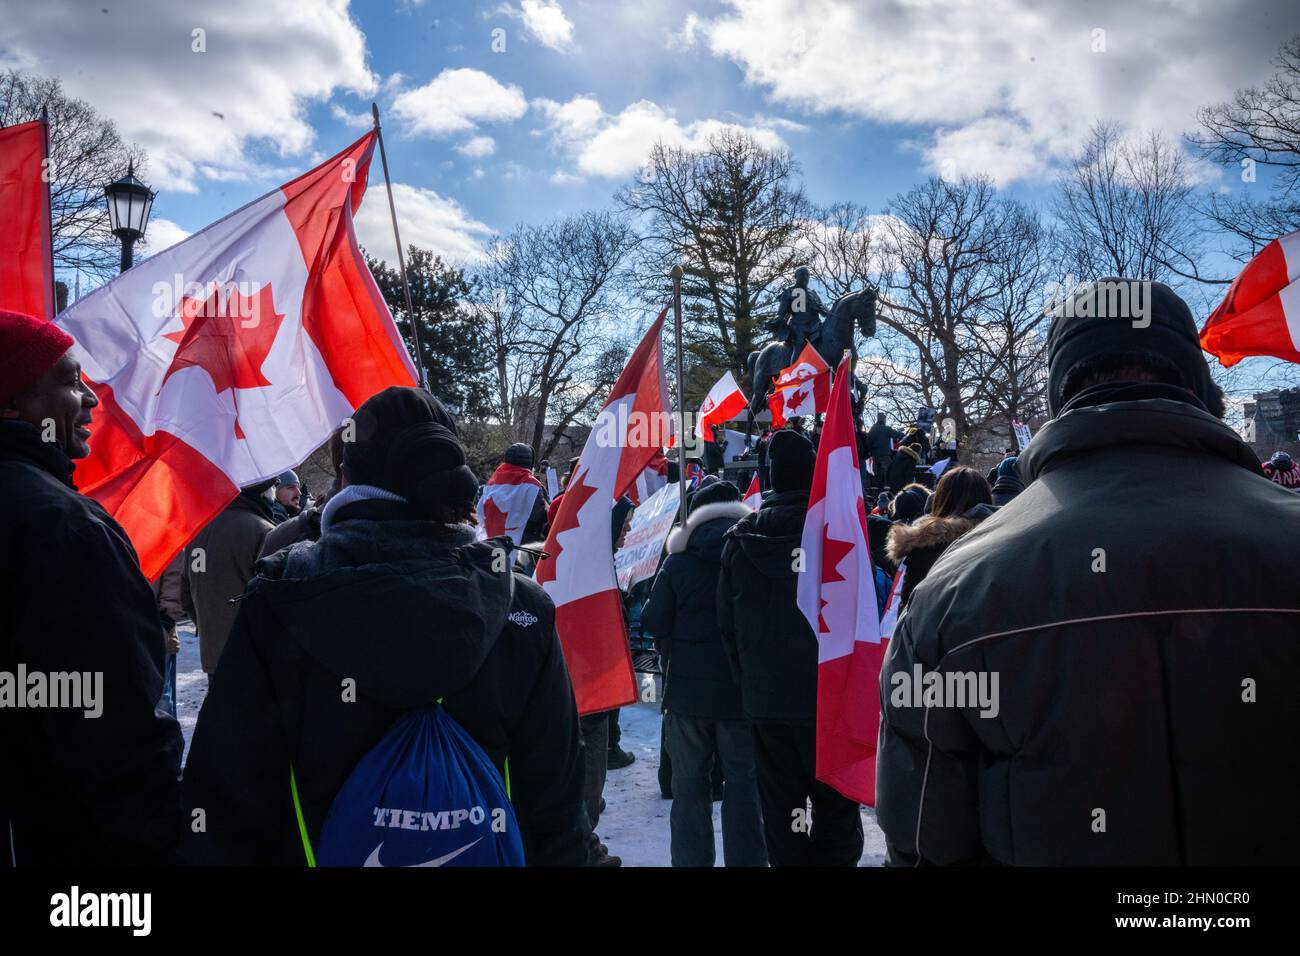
(136, 64)
(615, 145)
(477, 147)
(1008, 88)
(546, 22)
(427, 219)
(456, 101)
(162, 234)
(362, 120)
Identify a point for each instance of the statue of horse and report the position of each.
(851, 310)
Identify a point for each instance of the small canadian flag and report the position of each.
(802, 388)
(754, 494)
(723, 403)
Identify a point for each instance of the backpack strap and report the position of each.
(302, 824)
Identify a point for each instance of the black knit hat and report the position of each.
(1122, 319)
(716, 492)
(520, 454)
(406, 442)
(791, 460)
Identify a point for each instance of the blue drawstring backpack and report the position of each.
(426, 795)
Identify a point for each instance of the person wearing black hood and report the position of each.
(400, 600)
(1145, 711)
(773, 653)
(879, 437)
(703, 716)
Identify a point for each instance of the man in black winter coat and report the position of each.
(773, 652)
(90, 782)
(1145, 711)
(404, 608)
(702, 710)
(879, 437)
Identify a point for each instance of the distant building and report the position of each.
(1272, 422)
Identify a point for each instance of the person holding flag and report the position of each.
(774, 654)
(513, 502)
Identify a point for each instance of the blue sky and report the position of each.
(870, 95)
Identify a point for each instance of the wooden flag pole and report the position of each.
(681, 390)
(401, 256)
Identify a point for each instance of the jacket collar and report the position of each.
(20, 441)
(680, 537)
(1146, 422)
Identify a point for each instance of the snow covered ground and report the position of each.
(635, 822)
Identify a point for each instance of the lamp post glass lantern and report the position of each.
(129, 203)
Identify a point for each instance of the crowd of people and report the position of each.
(1140, 640)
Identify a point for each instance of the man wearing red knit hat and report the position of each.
(88, 765)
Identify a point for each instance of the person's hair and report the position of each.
(959, 490)
(1121, 367)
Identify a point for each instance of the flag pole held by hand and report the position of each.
(401, 256)
(681, 390)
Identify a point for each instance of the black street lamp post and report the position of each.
(129, 203)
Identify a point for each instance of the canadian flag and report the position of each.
(802, 388)
(723, 403)
(507, 502)
(754, 494)
(837, 594)
(579, 574)
(229, 357)
(1261, 313)
(26, 282)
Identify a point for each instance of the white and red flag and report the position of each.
(507, 502)
(26, 267)
(754, 494)
(723, 403)
(802, 388)
(1261, 313)
(231, 356)
(579, 574)
(837, 594)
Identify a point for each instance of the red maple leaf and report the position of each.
(833, 552)
(227, 335)
(794, 398)
(580, 491)
(494, 519)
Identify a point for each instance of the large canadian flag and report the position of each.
(1261, 313)
(26, 280)
(723, 403)
(802, 388)
(507, 502)
(837, 594)
(579, 573)
(231, 356)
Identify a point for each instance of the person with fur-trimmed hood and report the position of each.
(702, 708)
(961, 501)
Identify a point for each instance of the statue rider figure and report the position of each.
(799, 314)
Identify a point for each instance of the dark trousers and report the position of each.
(785, 756)
(595, 742)
(615, 731)
(693, 744)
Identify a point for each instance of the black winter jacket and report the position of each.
(902, 469)
(78, 790)
(767, 639)
(1141, 675)
(682, 615)
(411, 615)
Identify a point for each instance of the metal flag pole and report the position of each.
(401, 256)
(681, 390)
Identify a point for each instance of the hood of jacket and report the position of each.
(406, 607)
(769, 535)
(930, 532)
(1178, 426)
(705, 528)
(906, 450)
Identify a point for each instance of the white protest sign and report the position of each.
(651, 522)
(1022, 433)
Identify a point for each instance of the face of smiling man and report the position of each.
(61, 397)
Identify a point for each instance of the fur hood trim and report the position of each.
(926, 532)
(680, 537)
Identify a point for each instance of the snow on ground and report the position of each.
(635, 822)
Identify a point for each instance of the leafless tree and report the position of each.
(552, 299)
(732, 215)
(1125, 209)
(1260, 126)
(86, 153)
